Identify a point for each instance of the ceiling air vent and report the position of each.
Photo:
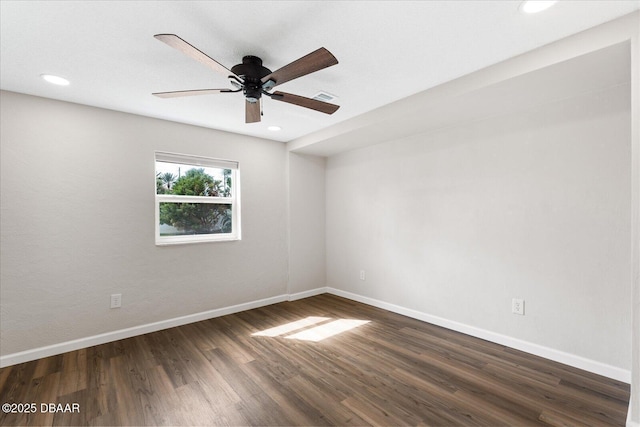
(324, 97)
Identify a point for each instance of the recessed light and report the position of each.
(274, 128)
(535, 6)
(56, 80)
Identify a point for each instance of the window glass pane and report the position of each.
(181, 219)
(184, 179)
(197, 199)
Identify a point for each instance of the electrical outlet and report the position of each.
(116, 300)
(517, 306)
(362, 275)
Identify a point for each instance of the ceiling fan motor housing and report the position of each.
(251, 71)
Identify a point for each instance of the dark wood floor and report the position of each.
(392, 370)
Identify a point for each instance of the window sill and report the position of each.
(181, 240)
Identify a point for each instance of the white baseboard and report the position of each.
(307, 294)
(51, 350)
(538, 350)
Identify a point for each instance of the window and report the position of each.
(197, 199)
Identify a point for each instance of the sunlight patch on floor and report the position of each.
(291, 326)
(327, 330)
(316, 333)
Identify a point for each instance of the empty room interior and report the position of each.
(364, 213)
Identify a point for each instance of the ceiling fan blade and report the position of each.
(252, 112)
(178, 93)
(316, 60)
(177, 43)
(314, 104)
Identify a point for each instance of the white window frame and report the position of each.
(234, 200)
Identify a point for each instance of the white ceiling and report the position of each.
(387, 51)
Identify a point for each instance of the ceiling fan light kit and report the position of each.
(254, 80)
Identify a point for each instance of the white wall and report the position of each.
(307, 252)
(77, 224)
(534, 205)
(633, 419)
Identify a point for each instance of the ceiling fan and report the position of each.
(255, 80)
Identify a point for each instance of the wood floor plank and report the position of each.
(160, 406)
(297, 410)
(205, 374)
(392, 370)
(15, 390)
(128, 400)
(226, 340)
(200, 336)
(374, 414)
(446, 401)
(320, 398)
(497, 414)
(166, 355)
(489, 361)
(74, 365)
(48, 365)
(590, 380)
(195, 407)
(557, 419)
